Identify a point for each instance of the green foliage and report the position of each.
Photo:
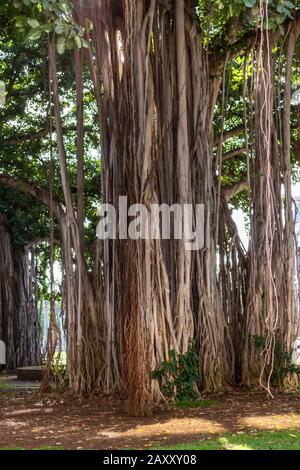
(24, 224)
(25, 114)
(179, 376)
(56, 17)
(3, 386)
(59, 372)
(280, 10)
(229, 20)
(267, 440)
(283, 365)
(51, 17)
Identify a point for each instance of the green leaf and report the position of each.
(48, 28)
(78, 42)
(85, 43)
(19, 22)
(249, 3)
(33, 23)
(289, 5)
(281, 29)
(61, 47)
(47, 5)
(59, 27)
(34, 34)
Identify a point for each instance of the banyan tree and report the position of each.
(160, 75)
(19, 326)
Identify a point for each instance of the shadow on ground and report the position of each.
(31, 421)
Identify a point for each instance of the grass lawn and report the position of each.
(271, 440)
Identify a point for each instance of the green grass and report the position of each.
(5, 396)
(4, 392)
(3, 386)
(268, 440)
(50, 448)
(12, 448)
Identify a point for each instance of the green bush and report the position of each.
(179, 376)
(283, 365)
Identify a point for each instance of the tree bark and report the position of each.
(19, 326)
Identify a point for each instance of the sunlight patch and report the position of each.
(275, 422)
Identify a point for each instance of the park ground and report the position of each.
(238, 420)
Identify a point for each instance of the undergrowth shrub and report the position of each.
(283, 365)
(179, 376)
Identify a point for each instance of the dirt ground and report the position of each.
(31, 421)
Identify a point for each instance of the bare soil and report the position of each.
(29, 420)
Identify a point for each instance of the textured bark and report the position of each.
(290, 321)
(266, 225)
(19, 327)
(83, 312)
(156, 138)
(78, 56)
(271, 298)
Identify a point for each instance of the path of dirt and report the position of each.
(29, 421)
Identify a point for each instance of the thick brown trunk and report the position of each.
(19, 327)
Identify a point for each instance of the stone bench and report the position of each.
(30, 374)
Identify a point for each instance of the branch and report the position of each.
(229, 134)
(39, 240)
(36, 192)
(235, 46)
(217, 60)
(34, 135)
(233, 153)
(231, 225)
(24, 138)
(230, 191)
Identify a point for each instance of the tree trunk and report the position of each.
(156, 148)
(19, 327)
